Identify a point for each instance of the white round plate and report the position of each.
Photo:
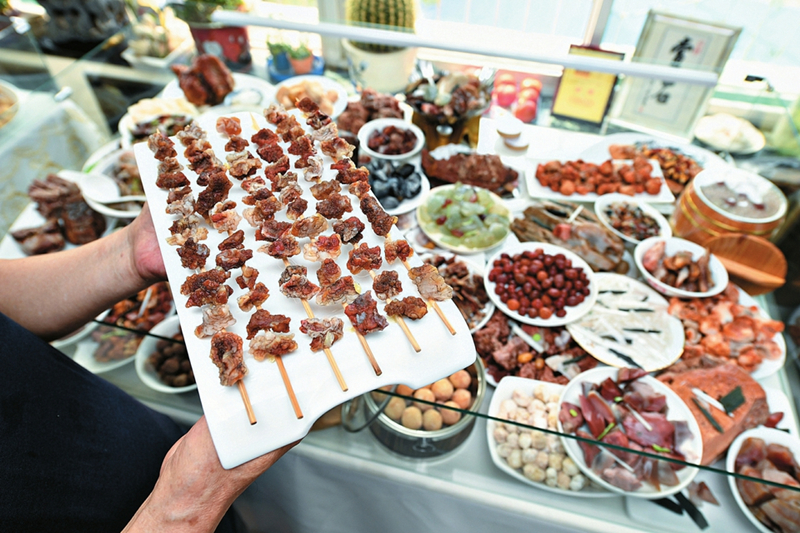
(674, 245)
(573, 313)
(80, 333)
(372, 126)
(599, 152)
(243, 84)
(30, 218)
(504, 391)
(723, 131)
(606, 200)
(103, 209)
(436, 236)
(677, 410)
(473, 268)
(767, 367)
(166, 328)
(676, 335)
(328, 84)
(769, 436)
(84, 356)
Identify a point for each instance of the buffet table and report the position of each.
(339, 481)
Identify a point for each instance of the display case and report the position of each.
(523, 457)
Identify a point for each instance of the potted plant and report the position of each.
(230, 43)
(384, 68)
(280, 55)
(301, 59)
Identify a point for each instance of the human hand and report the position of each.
(146, 255)
(193, 490)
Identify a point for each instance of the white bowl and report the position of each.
(166, 328)
(606, 200)
(769, 436)
(674, 245)
(573, 313)
(677, 410)
(504, 391)
(379, 124)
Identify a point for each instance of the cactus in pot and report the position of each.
(399, 15)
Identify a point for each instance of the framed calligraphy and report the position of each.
(665, 107)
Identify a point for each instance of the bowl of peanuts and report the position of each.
(429, 421)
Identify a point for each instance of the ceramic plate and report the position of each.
(769, 436)
(677, 410)
(328, 84)
(573, 313)
(767, 367)
(722, 517)
(538, 191)
(433, 231)
(504, 391)
(665, 329)
(599, 152)
(246, 91)
(30, 218)
(314, 383)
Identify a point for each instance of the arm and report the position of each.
(194, 491)
(54, 294)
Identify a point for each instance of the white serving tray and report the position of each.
(538, 191)
(314, 383)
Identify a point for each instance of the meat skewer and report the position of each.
(226, 353)
(402, 251)
(430, 300)
(375, 366)
(365, 258)
(401, 322)
(262, 320)
(310, 313)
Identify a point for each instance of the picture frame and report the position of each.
(671, 108)
(585, 96)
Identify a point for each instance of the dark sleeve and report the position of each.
(76, 452)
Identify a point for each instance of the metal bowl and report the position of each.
(421, 443)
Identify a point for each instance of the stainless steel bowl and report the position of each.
(420, 443)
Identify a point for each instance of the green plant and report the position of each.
(278, 48)
(392, 14)
(301, 52)
(192, 11)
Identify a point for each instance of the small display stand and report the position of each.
(277, 76)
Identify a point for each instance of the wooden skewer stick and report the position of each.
(402, 323)
(246, 399)
(436, 307)
(375, 366)
(298, 413)
(328, 352)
